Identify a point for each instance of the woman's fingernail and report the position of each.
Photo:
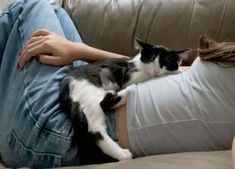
(19, 66)
(37, 57)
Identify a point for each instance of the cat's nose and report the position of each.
(156, 72)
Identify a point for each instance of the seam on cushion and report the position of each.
(137, 21)
(222, 18)
(155, 15)
(190, 19)
(27, 100)
(104, 20)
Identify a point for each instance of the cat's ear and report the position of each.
(139, 44)
(183, 54)
(205, 42)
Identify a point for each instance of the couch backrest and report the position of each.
(113, 24)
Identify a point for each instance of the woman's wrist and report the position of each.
(74, 48)
(81, 51)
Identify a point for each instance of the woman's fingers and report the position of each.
(40, 32)
(52, 60)
(25, 53)
(32, 46)
(32, 40)
(29, 53)
(37, 35)
(32, 43)
(43, 42)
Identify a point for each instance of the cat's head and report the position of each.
(157, 60)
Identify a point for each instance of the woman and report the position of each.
(190, 111)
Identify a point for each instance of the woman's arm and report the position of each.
(82, 51)
(53, 49)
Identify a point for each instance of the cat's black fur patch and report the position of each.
(120, 71)
(109, 101)
(95, 137)
(166, 58)
(65, 99)
(80, 126)
(90, 153)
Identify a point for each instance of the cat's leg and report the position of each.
(122, 94)
(111, 148)
(113, 100)
(109, 101)
(98, 133)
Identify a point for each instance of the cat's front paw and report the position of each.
(109, 101)
(124, 154)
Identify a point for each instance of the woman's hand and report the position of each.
(48, 48)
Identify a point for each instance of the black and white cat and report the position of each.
(89, 91)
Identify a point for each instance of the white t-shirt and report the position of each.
(190, 111)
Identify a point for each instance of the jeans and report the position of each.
(33, 130)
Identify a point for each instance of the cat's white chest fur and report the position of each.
(89, 96)
(145, 71)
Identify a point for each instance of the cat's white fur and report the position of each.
(148, 71)
(89, 99)
(90, 96)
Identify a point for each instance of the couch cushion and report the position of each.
(194, 160)
(112, 25)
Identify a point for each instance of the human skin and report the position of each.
(50, 48)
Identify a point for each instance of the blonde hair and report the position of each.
(210, 50)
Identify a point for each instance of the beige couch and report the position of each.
(113, 24)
